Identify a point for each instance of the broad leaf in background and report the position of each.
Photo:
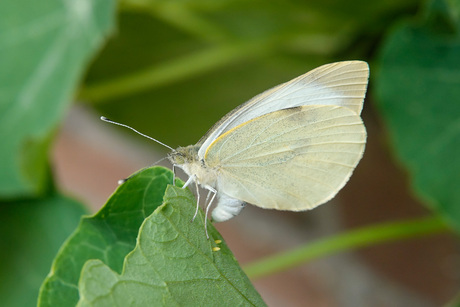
(44, 48)
(32, 232)
(418, 91)
(173, 264)
(108, 235)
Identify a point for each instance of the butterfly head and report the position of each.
(184, 155)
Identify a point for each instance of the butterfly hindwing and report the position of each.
(292, 159)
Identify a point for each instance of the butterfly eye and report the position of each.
(178, 158)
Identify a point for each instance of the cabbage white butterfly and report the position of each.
(293, 147)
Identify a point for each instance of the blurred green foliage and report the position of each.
(191, 62)
(418, 93)
(45, 47)
(32, 231)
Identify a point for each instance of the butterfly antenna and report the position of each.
(103, 118)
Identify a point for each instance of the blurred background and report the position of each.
(171, 69)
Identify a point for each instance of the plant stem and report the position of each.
(177, 69)
(365, 236)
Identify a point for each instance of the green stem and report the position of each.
(177, 69)
(365, 236)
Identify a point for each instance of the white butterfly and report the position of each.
(293, 147)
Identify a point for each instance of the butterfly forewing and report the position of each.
(340, 84)
(291, 159)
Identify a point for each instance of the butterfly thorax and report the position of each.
(187, 159)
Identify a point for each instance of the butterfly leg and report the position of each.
(174, 175)
(197, 207)
(189, 181)
(207, 210)
(197, 201)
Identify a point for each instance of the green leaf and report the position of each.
(418, 91)
(173, 264)
(31, 232)
(109, 235)
(45, 46)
